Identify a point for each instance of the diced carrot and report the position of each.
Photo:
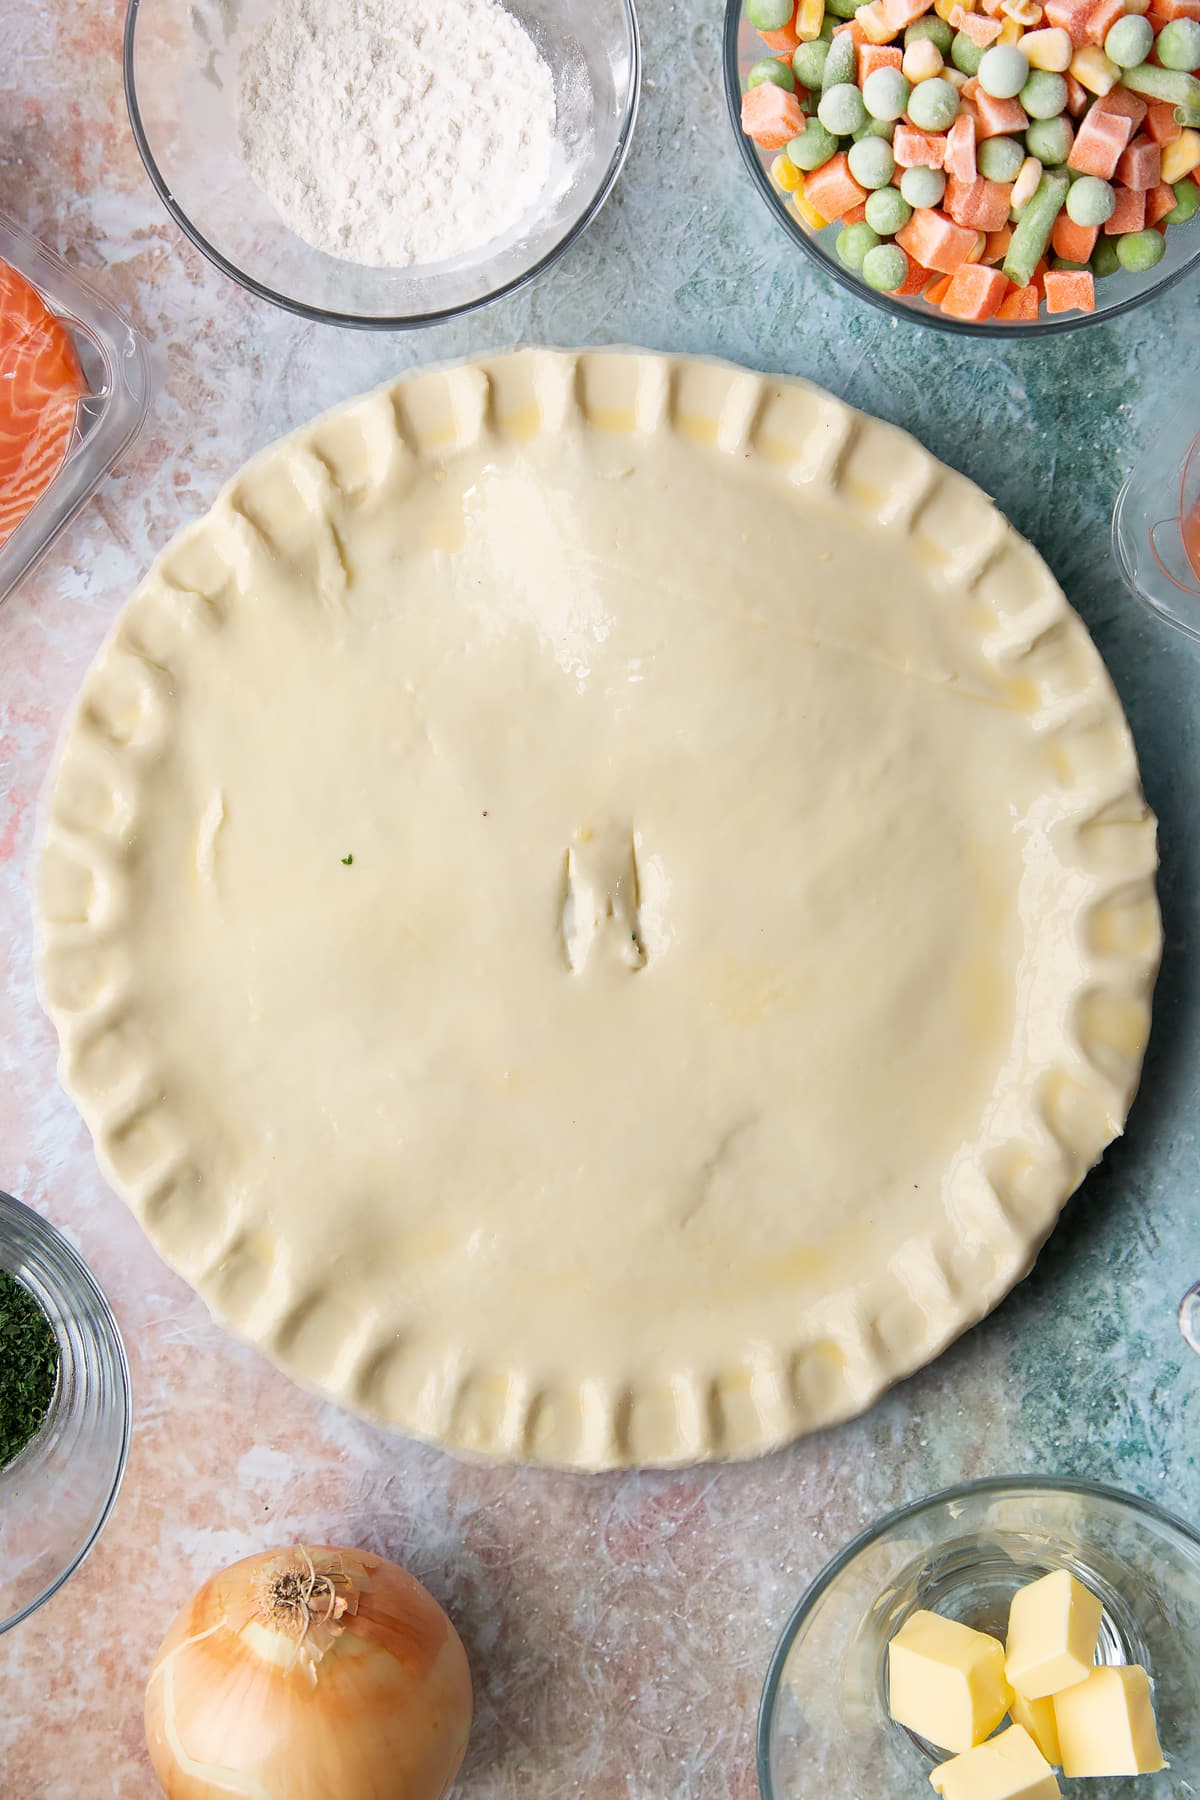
(959, 160)
(1103, 15)
(1100, 143)
(1070, 290)
(771, 116)
(1019, 303)
(1129, 214)
(1072, 16)
(980, 205)
(1179, 9)
(1140, 166)
(997, 118)
(857, 34)
(856, 214)
(1159, 202)
(832, 189)
(974, 293)
(1156, 21)
(981, 31)
(936, 293)
(786, 38)
(916, 281)
(900, 13)
(1123, 103)
(877, 56)
(933, 239)
(1074, 243)
(1078, 98)
(918, 149)
(996, 248)
(1161, 124)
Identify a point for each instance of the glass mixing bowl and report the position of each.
(57, 1494)
(824, 1726)
(181, 61)
(1114, 294)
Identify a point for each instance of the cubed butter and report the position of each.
(947, 1682)
(1008, 1767)
(1037, 1717)
(1106, 1725)
(1052, 1632)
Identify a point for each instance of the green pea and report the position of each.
(853, 244)
(1000, 158)
(1138, 251)
(1090, 201)
(1050, 141)
(1105, 260)
(1003, 71)
(808, 63)
(1187, 203)
(1062, 262)
(933, 28)
(966, 54)
(877, 128)
(1129, 41)
(841, 109)
(934, 105)
(885, 268)
(871, 162)
(814, 146)
(769, 15)
(885, 92)
(843, 9)
(827, 30)
(924, 187)
(768, 68)
(1044, 95)
(888, 211)
(1178, 45)
(841, 65)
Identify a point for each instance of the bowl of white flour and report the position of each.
(382, 163)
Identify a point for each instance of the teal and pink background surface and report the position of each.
(618, 1626)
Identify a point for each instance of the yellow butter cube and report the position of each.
(1050, 49)
(1037, 1718)
(947, 1682)
(1052, 1632)
(1181, 157)
(810, 16)
(1009, 1767)
(1106, 1725)
(1095, 71)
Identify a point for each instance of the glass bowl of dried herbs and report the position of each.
(64, 1411)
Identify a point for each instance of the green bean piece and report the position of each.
(1171, 85)
(841, 65)
(1031, 234)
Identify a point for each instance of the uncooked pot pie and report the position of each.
(598, 906)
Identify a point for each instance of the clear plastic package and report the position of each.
(111, 410)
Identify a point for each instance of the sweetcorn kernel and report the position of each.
(1095, 71)
(785, 174)
(808, 212)
(810, 16)
(1181, 157)
(1011, 32)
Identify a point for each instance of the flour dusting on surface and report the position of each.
(394, 132)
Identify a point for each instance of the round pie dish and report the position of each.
(1116, 294)
(567, 1080)
(180, 85)
(58, 1492)
(824, 1725)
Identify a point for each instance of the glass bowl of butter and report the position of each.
(825, 1723)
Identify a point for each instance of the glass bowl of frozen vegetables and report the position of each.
(979, 165)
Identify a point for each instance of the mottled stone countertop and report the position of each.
(618, 1626)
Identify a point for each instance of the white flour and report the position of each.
(393, 132)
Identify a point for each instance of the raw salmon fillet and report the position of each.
(40, 385)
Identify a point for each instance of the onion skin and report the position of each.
(382, 1713)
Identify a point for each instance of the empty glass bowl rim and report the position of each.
(387, 321)
(60, 1247)
(734, 11)
(998, 1485)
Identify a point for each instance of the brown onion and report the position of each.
(309, 1674)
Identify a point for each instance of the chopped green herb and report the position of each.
(28, 1366)
(347, 860)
